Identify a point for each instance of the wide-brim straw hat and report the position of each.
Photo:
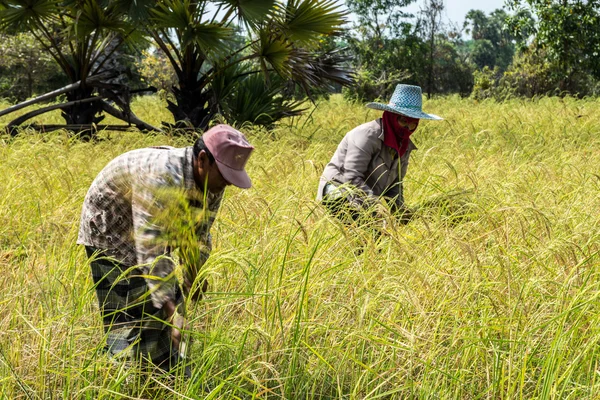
(407, 100)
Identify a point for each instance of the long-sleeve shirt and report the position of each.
(144, 204)
(364, 161)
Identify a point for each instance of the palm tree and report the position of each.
(220, 50)
(83, 37)
(218, 73)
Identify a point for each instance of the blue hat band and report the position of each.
(418, 108)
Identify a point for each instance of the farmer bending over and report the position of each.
(143, 206)
(371, 161)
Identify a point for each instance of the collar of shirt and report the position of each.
(188, 170)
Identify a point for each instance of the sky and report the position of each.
(455, 10)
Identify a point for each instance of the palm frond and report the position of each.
(209, 37)
(258, 102)
(23, 14)
(137, 11)
(274, 50)
(251, 12)
(314, 70)
(304, 20)
(184, 17)
(93, 18)
(172, 14)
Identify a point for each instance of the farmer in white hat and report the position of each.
(370, 163)
(141, 208)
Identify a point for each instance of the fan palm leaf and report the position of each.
(245, 97)
(183, 17)
(304, 21)
(137, 11)
(24, 14)
(274, 51)
(91, 18)
(321, 69)
(252, 12)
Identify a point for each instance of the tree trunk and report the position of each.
(82, 113)
(430, 72)
(18, 121)
(29, 84)
(563, 65)
(194, 107)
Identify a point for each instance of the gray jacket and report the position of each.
(362, 160)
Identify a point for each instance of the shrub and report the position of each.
(531, 75)
(369, 86)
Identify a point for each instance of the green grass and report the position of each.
(489, 294)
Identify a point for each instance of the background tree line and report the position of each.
(532, 48)
(258, 61)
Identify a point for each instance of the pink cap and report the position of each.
(231, 151)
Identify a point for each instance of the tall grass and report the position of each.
(490, 293)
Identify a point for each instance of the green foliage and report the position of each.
(560, 60)
(306, 22)
(410, 56)
(186, 18)
(75, 34)
(26, 69)
(486, 81)
(368, 87)
(451, 74)
(385, 47)
(530, 75)
(381, 18)
(259, 102)
(493, 40)
(379, 61)
(156, 71)
(483, 54)
(428, 27)
(568, 32)
(248, 98)
(85, 37)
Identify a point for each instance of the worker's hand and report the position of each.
(177, 322)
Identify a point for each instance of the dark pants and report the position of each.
(134, 328)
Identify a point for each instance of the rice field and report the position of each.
(491, 292)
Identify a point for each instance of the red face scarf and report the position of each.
(395, 135)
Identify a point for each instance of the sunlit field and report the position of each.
(491, 292)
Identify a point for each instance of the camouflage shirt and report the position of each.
(143, 205)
